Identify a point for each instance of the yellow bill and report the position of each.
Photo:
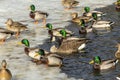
(36, 54)
(19, 43)
(91, 62)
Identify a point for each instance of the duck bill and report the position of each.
(19, 43)
(91, 62)
(29, 9)
(115, 3)
(36, 54)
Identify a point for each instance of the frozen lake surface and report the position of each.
(76, 66)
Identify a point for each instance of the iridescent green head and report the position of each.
(63, 33)
(25, 42)
(32, 8)
(94, 15)
(41, 52)
(97, 60)
(82, 22)
(118, 0)
(87, 9)
(49, 26)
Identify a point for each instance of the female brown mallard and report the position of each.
(103, 65)
(69, 45)
(5, 34)
(117, 54)
(68, 4)
(15, 26)
(77, 19)
(37, 15)
(5, 73)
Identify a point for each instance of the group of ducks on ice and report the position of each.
(90, 21)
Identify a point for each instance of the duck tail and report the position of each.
(104, 14)
(111, 23)
(46, 14)
(75, 3)
(116, 61)
(12, 33)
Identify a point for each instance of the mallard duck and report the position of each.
(117, 54)
(31, 52)
(89, 13)
(99, 24)
(15, 26)
(68, 4)
(69, 45)
(5, 34)
(77, 19)
(103, 65)
(56, 32)
(117, 5)
(37, 15)
(50, 59)
(5, 73)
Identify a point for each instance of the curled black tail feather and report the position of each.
(46, 14)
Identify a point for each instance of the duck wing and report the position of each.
(9, 72)
(2, 30)
(110, 61)
(55, 55)
(43, 13)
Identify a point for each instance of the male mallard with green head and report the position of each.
(38, 15)
(69, 45)
(103, 65)
(50, 59)
(89, 13)
(31, 52)
(99, 24)
(56, 32)
(5, 34)
(68, 4)
(5, 73)
(15, 26)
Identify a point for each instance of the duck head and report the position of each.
(94, 15)
(82, 22)
(74, 15)
(32, 8)
(96, 60)
(49, 26)
(4, 63)
(63, 33)
(9, 21)
(40, 52)
(87, 9)
(25, 42)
